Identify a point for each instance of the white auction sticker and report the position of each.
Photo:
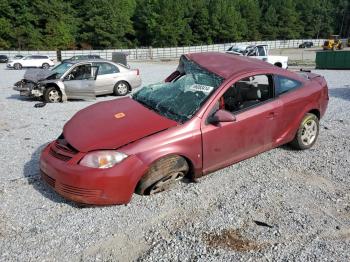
(202, 88)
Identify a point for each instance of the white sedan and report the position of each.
(80, 79)
(31, 61)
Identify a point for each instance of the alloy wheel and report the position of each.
(166, 182)
(122, 88)
(54, 96)
(309, 132)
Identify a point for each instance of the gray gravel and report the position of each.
(303, 197)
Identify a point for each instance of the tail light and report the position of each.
(137, 71)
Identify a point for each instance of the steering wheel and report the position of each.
(70, 77)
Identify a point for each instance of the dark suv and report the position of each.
(82, 57)
(4, 59)
(307, 44)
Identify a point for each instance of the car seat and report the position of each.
(251, 97)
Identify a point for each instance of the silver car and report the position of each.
(78, 80)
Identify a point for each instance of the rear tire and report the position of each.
(121, 88)
(45, 66)
(307, 133)
(52, 95)
(162, 175)
(17, 66)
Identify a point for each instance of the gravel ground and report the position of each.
(282, 205)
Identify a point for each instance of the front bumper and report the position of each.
(24, 90)
(90, 185)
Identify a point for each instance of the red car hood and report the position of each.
(112, 124)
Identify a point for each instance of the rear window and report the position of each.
(106, 68)
(285, 84)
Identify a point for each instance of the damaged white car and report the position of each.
(78, 80)
(259, 52)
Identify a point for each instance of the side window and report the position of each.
(285, 84)
(107, 68)
(261, 51)
(247, 92)
(80, 72)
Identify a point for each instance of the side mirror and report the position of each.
(221, 116)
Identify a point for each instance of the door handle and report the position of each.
(271, 115)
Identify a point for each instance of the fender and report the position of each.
(185, 143)
(62, 89)
(291, 132)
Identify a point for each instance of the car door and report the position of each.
(253, 131)
(40, 61)
(80, 81)
(106, 77)
(26, 62)
(290, 92)
(36, 61)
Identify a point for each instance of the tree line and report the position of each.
(76, 24)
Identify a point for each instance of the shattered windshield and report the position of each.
(61, 69)
(180, 99)
(238, 49)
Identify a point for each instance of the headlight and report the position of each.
(102, 159)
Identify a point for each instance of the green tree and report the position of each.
(269, 27)
(226, 23)
(106, 23)
(5, 24)
(163, 22)
(198, 12)
(289, 25)
(250, 11)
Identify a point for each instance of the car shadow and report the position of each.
(343, 93)
(287, 147)
(23, 98)
(31, 172)
(38, 99)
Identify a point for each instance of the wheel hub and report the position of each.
(54, 96)
(122, 88)
(309, 132)
(166, 182)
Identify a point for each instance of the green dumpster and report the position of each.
(333, 60)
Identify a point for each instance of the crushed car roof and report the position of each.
(227, 65)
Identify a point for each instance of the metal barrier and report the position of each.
(149, 53)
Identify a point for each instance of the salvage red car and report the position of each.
(214, 110)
